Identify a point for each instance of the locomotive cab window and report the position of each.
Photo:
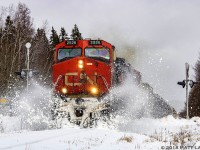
(65, 53)
(98, 53)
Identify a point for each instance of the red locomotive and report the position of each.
(85, 66)
(85, 70)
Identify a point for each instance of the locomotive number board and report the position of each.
(95, 42)
(71, 42)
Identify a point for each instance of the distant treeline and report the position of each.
(16, 29)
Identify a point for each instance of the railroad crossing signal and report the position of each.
(185, 83)
(23, 73)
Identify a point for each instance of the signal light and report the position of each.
(192, 83)
(64, 90)
(80, 64)
(24, 73)
(181, 83)
(94, 90)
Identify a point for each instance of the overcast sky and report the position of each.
(156, 36)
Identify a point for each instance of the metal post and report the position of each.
(186, 82)
(28, 45)
(27, 68)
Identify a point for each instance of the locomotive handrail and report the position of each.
(105, 82)
(57, 80)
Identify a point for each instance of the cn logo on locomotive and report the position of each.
(92, 82)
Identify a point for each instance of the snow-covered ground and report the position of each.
(144, 134)
(27, 126)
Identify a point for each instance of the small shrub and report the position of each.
(128, 139)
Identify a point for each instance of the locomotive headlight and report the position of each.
(94, 90)
(64, 90)
(80, 64)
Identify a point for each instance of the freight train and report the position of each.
(84, 72)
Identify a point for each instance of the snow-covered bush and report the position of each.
(126, 138)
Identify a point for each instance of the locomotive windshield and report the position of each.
(65, 53)
(98, 53)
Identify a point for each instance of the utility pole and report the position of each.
(27, 73)
(187, 80)
(28, 45)
(185, 84)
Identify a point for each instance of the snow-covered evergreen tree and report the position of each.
(54, 39)
(63, 35)
(194, 97)
(76, 35)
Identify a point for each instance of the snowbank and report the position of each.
(144, 133)
(150, 125)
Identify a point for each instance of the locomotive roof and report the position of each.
(77, 41)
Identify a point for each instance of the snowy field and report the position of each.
(29, 129)
(144, 134)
